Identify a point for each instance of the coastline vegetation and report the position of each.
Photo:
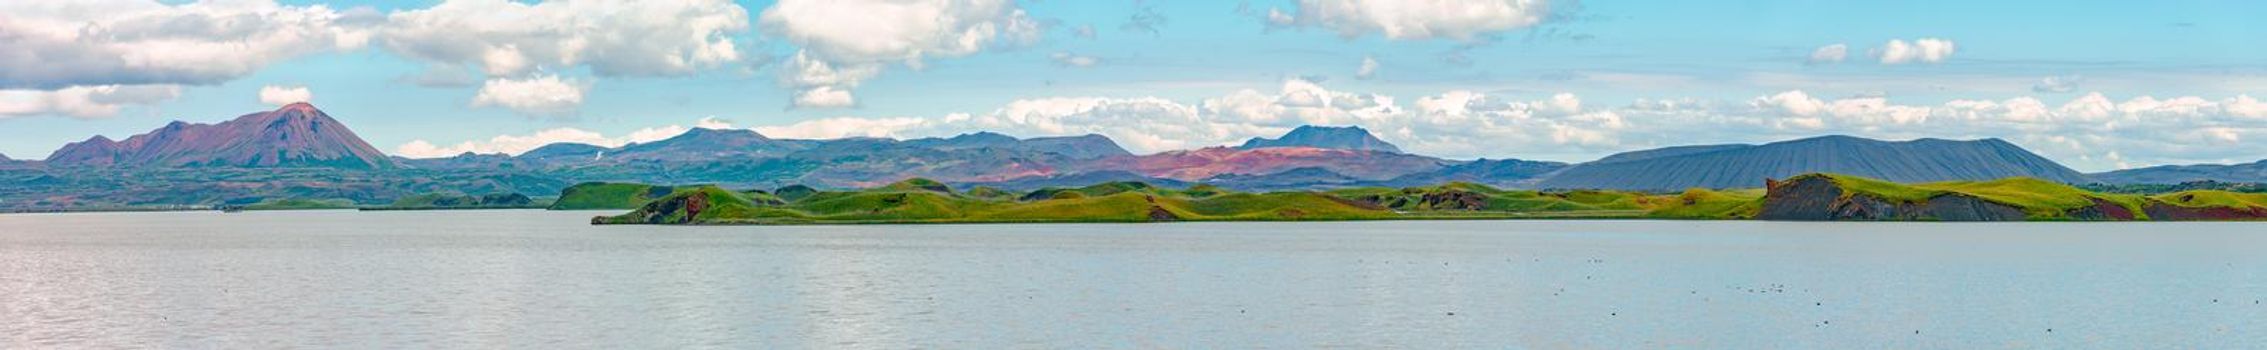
(926, 201)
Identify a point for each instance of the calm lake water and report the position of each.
(536, 279)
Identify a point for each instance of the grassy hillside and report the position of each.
(601, 195)
(2040, 199)
(2212, 198)
(923, 201)
(1710, 204)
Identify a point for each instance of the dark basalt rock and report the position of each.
(658, 211)
(2169, 212)
(2102, 210)
(1454, 200)
(1158, 213)
(1818, 198)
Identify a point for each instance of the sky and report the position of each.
(2097, 85)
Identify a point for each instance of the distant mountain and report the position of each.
(465, 160)
(1073, 181)
(297, 135)
(1346, 138)
(1209, 162)
(1665, 152)
(564, 151)
(4, 158)
(1747, 166)
(2255, 172)
(1504, 173)
(1088, 146)
(708, 144)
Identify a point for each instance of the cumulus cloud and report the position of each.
(517, 144)
(1829, 54)
(2145, 129)
(52, 45)
(283, 95)
(1067, 59)
(83, 101)
(541, 95)
(1368, 69)
(841, 127)
(824, 97)
(613, 38)
(898, 31)
(2058, 84)
(845, 42)
(1461, 20)
(1926, 50)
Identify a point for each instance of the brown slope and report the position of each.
(1214, 161)
(297, 135)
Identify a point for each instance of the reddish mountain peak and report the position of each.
(301, 107)
(296, 135)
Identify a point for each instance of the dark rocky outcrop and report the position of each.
(1819, 198)
(2102, 210)
(684, 209)
(2161, 211)
(1158, 213)
(1453, 200)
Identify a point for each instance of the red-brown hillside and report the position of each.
(297, 135)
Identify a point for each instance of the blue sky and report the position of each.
(2097, 85)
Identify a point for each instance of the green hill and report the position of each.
(1807, 197)
(602, 195)
(1843, 197)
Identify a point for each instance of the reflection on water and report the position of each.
(487, 279)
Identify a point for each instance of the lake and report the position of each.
(537, 279)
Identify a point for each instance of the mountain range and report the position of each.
(2169, 174)
(315, 155)
(1747, 166)
(297, 135)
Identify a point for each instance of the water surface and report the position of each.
(484, 279)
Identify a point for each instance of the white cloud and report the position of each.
(517, 144)
(1462, 20)
(874, 31)
(1068, 59)
(1926, 50)
(52, 45)
(841, 127)
(2058, 84)
(541, 95)
(1368, 70)
(614, 38)
(824, 97)
(83, 101)
(280, 95)
(845, 42)
(712, 123)
(1830, 54)
(1793, 102)
(2145, 130)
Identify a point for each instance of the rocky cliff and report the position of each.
(1821, 198)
